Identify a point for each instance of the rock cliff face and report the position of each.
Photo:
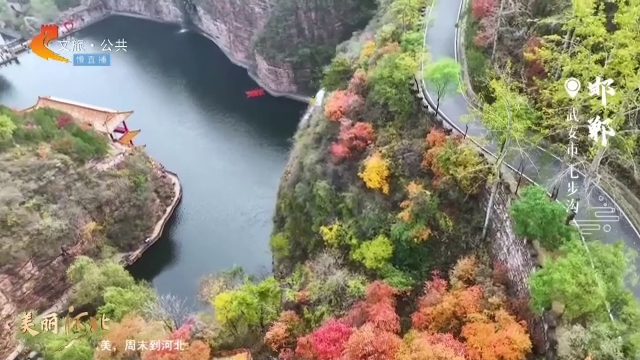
(295, 38)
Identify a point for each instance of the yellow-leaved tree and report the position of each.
(376, 173)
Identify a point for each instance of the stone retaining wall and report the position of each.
(517, 256)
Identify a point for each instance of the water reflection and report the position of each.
(162, 255)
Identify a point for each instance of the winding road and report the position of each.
(602, 219)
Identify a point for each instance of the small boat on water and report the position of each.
(255, 93)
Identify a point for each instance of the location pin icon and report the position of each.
(572, 85)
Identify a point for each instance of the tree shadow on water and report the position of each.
(5, 85)
(160, 255)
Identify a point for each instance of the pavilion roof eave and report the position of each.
(112, 118)
(115, 119)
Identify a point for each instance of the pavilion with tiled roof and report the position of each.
(103, 120)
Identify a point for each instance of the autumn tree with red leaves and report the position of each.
(485, 13)
(481, 8)
(464, 320)
(474, 308)
(446, 310)
(486, 33)
(281, 334)
(64, 120)
(353, 138)
(377, 338)
(368, 331)
(341, 104)
(358, 82)
(325, 343)
(339, 152)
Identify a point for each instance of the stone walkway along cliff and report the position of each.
(440, 41)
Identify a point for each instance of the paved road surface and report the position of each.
(611, 224)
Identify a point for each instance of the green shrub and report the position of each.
(6, 128)
(412, 42)
(390, 80)
(279, 244)
(337, 74)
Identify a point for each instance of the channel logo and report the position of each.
(40, 43)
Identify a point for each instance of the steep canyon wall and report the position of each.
(282, 43)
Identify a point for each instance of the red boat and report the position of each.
(255, 93)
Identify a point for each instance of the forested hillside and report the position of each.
(379, 242)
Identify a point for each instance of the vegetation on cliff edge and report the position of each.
(55, 198)
(378, 243)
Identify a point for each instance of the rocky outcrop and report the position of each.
(294, 44)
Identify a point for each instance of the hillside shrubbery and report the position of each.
(52, 198)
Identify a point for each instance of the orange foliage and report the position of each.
(197, 350)
(501, 338)
(426, 346)
(353, 137)
(436, 137)
(464, 272)
(446, 316)
(369, 343)
(446, 311)
(378, 308)
(367, 332)
(389, 48)
(356, 136)
(304, 348)
(130, 328)
(417, 197)
(277, 336)
(280, 335)
(342, 104)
